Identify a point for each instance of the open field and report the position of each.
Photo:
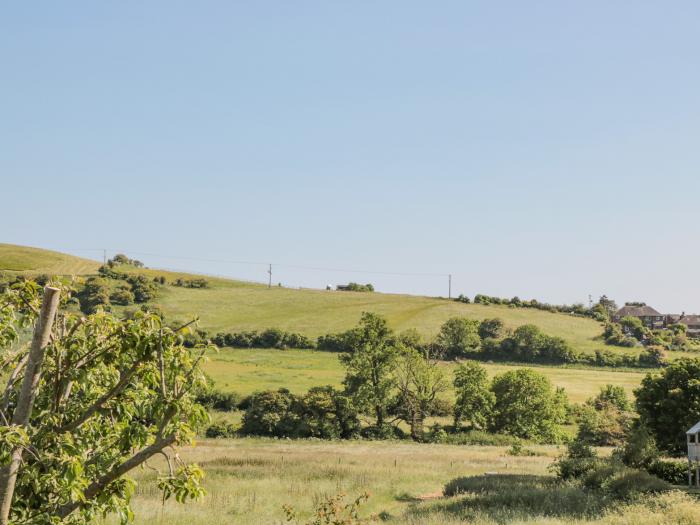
(36, 260)
(247, 370)
(249, 480)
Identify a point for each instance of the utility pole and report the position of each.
(269, 282)
(104, 257)
(590, 301)
(449, 286)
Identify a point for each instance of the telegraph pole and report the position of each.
(269, 271)
(104, 257)
(449, 286)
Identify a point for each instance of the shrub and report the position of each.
(189, 283)
(527, 406)
(463, 299)
(579, 460)
(622, 482)
(216, 400)
(674, 472)
(122, 296)
(492, 328)
(272, 413)
(327, 413)
(95, 293)
(639, 451)
(221, 430)
(143, 289)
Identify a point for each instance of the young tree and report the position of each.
(420, 382)
(458, 336)
(528, 406)
(474, 399)
(107, 395)
(668, 403)
(369, 366)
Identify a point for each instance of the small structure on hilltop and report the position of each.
(693, 436)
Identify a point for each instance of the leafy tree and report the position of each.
(144, 290)
(420, 382)
(327, 413)
(458, 336)
(474, 399)
(491, 328)
(528, 406)
(109, 394)
(611, 395)
(608, 305)
(272, 413)
(369, 366)
(639, 450)
(668, 403)
(94, 294)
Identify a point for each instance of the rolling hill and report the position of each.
(230, 305)
(24, 259)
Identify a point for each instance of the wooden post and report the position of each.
(25, 401)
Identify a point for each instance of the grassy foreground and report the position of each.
(23, 259)
(249, 370)
(249, 480)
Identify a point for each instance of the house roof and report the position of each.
(695, 429)
(690, 320)
(636, 311)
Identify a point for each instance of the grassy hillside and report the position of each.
(245, 371)
(229, 305)
(24, 259)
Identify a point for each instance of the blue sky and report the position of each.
(543, 149)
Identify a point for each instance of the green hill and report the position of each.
(229, 305)
(24, 259)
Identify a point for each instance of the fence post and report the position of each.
(25, 401)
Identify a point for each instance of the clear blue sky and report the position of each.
(543, 149)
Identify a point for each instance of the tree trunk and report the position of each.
(417, 427)
(380, 416)
(25, 401)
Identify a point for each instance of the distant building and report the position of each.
(692, 322)
(649, 317)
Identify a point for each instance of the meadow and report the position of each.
(249, 370)
(249, 480)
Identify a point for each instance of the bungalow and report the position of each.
(649, 317)
(692, 322)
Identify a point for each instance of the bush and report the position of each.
(334, 342)
(479, 438)
(270, 338)
(674, 472)
(189, 283)
(143, 289)
(272, 413)
(95, 294)
(527, 406)
(328, 414)
(384, 432)
(122, 296)
(580, 459)
(622, 482)
(491, 328)
(216, 400)
(639, 451)
(221, 431)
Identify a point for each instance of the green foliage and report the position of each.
(640, 450)
(579, 460)
(668, 403)
(120, 258)
(221, 430)
(458, 336)
(369, 366)
(269, 338)
(606, 418)
(356, 287)
(623, 483)
(419, 382)
(613, 395)
(328, 414)
(527, 406)
(272, 413)
(95, 294)
(191, 283)
(216, 400)
(122, 296)
(112, 392)
(144, 290)
(491, 328)
(474, 400)
(634, 327)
